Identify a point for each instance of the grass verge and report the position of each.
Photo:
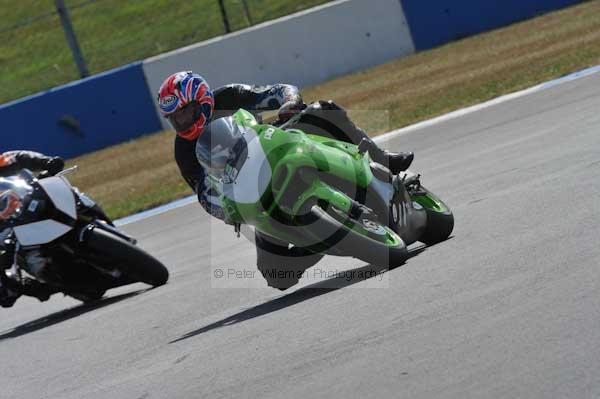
(142, 174)
(35, 56)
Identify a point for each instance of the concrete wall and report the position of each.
(303, 49)
(435, 22)
(82, 116)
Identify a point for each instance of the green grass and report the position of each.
(138, 175)
(111, 33)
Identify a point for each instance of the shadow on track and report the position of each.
(303, 294)
(65, 315)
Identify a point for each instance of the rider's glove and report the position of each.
(210, 204)
(55, 165)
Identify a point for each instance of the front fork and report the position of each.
(96, 224)
(409, 218)
(95, 216)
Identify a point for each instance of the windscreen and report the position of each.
(222, 143)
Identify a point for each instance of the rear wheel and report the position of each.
(134, 263)
(362, 238)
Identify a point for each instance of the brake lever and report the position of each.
(67, 171)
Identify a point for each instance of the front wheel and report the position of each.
(439, 227)
(362, 238)
(132, 262)
(440, 220)
(88, 297)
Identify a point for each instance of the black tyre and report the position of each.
(440, 221)
(361, 238)
(439, 227)
(133, 262)
(88, 297)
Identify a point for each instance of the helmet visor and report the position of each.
(14, 193)
(184, 118)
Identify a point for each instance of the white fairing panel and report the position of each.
(61, 195)
(254, 177)
(39, 233)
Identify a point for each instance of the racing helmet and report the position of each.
(11, 205)
(186, 101)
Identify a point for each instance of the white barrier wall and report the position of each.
(302, 49)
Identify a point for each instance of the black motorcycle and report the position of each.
(52, 232)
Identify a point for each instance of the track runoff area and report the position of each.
(508, 307)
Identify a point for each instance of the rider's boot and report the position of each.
(396, 162)
(281, 266)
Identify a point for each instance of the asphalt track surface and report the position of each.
(508, 307)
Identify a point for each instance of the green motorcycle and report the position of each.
(317, 193)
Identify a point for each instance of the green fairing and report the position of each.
(287, 152)
(431, 202)
(292, 186)
(245, 118)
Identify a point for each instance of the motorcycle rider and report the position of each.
(11, 163)
(187, 102)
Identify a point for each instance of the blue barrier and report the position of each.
(82, 116)
(435, 22)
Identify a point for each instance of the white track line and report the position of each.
(156, 211)
(387, 136)
(488, 104)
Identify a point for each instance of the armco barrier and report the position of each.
(303, 49)
(435, 22)
(82, 116)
